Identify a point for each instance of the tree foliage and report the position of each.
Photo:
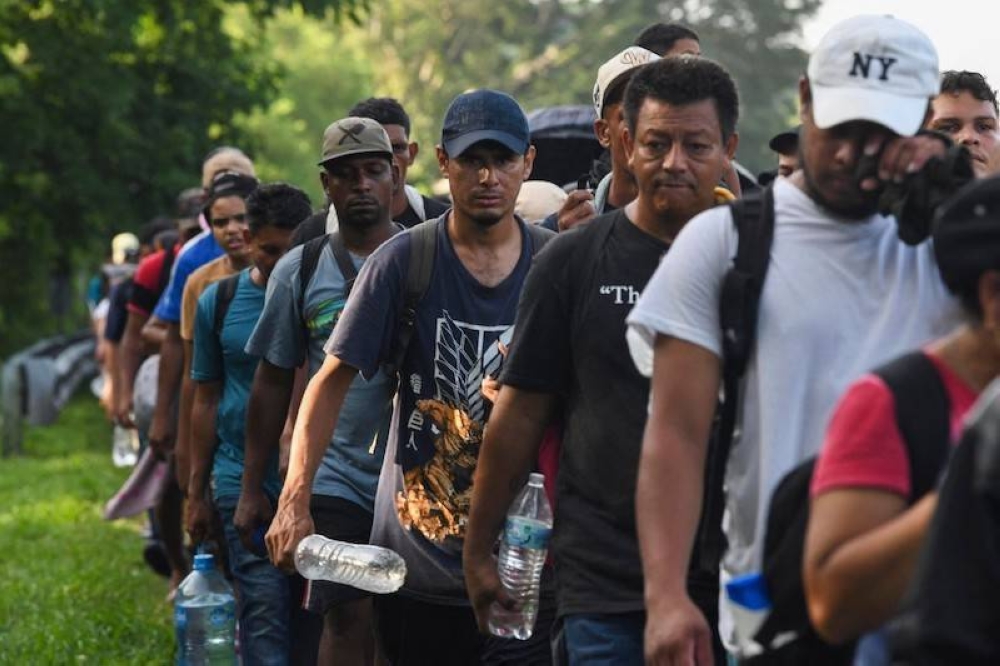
(108, 108)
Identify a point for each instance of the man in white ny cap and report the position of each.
(842, 295)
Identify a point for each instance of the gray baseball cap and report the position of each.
(354, 136)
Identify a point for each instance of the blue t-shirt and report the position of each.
(196, 253)
(222, 358)
(426, 482)
(351, 463)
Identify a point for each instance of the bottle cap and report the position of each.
(204, 562)
(749, 591)
(536, 479)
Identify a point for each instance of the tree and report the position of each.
(108, 108)
(548, 51)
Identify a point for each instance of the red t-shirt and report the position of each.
(147, 283)
(863, 446)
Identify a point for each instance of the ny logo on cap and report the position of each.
(863, 62)
(351, 133)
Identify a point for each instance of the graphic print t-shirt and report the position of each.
(426, 482)
(351, 464)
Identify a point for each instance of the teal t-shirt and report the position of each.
(222, 358)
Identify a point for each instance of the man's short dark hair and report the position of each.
(277, 205)
(973, 83)
(661, 37)
(680, 81)
(383, 110)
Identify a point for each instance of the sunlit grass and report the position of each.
(74, 588)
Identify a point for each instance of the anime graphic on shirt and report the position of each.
(436, 494)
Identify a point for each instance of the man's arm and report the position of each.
(154, 332)
(182, 448)
(161, 430)
(268, 406)
(861, 554)
(508, 453)
(198, 519)
(314, 426)
(684, 392)
(128, 365)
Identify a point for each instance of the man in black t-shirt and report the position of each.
(569, 349)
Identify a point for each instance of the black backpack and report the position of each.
(753, 216)
(923, 418)
(423, 247)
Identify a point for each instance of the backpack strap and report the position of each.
(423, 247)
(225, 291)
(923, 415)
(753, 216)
(166, 267)
(311, 250)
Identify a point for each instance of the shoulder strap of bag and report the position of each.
(423, 246)
(739, 299)
(923, 414)
(225, 291)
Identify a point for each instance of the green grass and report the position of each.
(73, 587)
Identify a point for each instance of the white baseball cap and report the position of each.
(614, 70)
(875, 68)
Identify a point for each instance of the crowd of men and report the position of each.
(388, 369)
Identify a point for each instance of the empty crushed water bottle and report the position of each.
(125, 446)
(205, 617)
(366, 567)
(522, 555)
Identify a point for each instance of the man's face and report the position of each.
(609, 132)
(360, 189)
(678, 157)
(787, 163)
(404, 152)
(228, 219)
(968, 121)
(485, 179)
(684, 47)
(267, 245)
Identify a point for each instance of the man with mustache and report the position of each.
(966, 110)
(679, 137)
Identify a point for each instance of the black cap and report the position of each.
(229, 184)
(785, 143)
(966, 233)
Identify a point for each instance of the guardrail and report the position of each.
(36, 383)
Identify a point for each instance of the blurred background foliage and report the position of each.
(108, 106)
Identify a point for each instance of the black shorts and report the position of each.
(343, 520)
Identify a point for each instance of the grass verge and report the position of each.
(74, 588)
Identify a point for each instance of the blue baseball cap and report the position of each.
(484, 115)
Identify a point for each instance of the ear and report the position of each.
(805, 97)
(602, 130)
(396, 176)
(989, 298)
(529, 162)
(442, 161)
(246, 235)
(414, 148)
(628, 143)
(731, 144)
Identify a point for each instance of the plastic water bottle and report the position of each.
(371, 568)
(522, 555)
(750, 604)
(205, 617)
(125, 446)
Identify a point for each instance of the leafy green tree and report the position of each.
(108, 108)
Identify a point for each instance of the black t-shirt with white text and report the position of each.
(569, 340)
